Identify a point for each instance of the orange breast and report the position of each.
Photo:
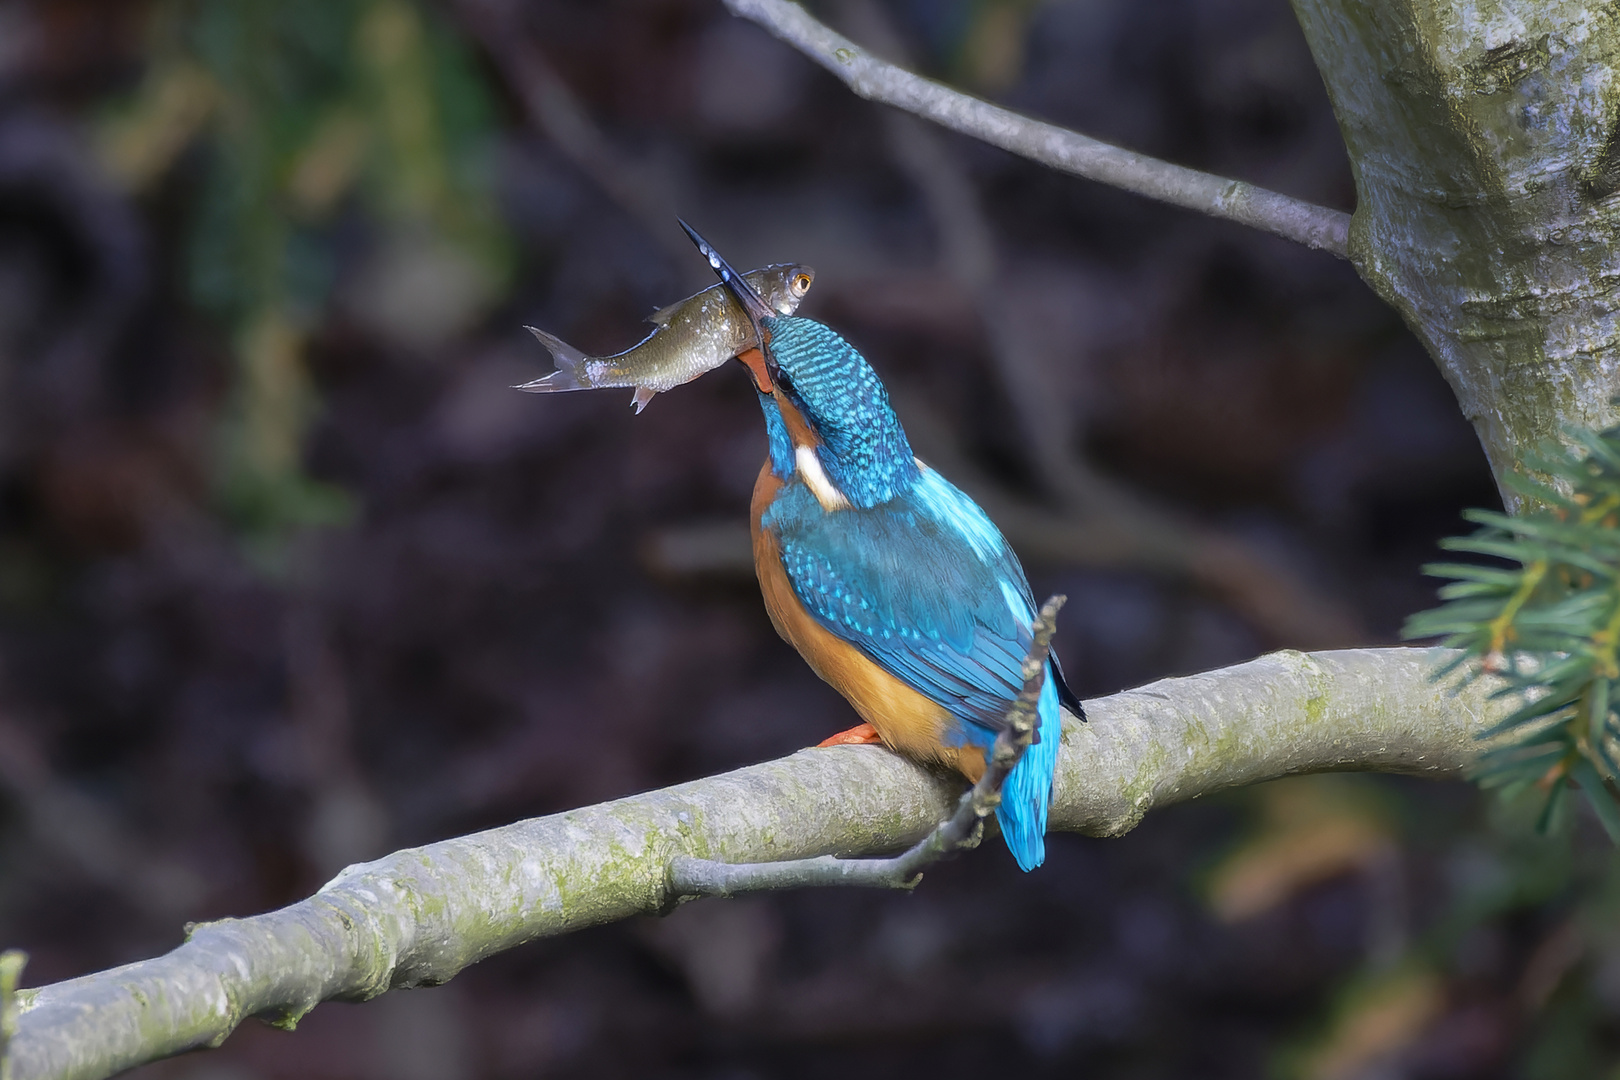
(906, 720)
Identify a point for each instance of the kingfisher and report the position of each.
(895, 587)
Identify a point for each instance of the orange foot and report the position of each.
(859, 735)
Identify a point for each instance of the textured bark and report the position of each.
(1483, 136)
(417, 917)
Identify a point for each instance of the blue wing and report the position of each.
(924, 585)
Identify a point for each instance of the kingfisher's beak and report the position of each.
(758, 360)
(751, 301)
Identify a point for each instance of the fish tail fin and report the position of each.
(570, 373)
(1027, 792)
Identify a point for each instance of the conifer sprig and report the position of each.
(1545, 619)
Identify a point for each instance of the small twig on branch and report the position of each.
(876, 80)
(689, 877)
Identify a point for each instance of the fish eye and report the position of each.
(801, 283)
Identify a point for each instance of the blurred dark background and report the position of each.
(289, 577)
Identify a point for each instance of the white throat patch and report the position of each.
(815, 478)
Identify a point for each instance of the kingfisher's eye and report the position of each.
(779, 378)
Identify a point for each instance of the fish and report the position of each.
(689, 337)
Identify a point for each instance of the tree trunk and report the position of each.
(1483, 138)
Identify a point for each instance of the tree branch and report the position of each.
(417, 917)
(876, 80)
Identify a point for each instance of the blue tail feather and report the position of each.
(1028, 789)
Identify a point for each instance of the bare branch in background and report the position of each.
(1123, 530)
(554, 111)
(346, 821)
(417, 917)
(959, 832)
(876, 80)
(69, 825)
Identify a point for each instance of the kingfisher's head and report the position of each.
(826, 410)
(827, 390)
